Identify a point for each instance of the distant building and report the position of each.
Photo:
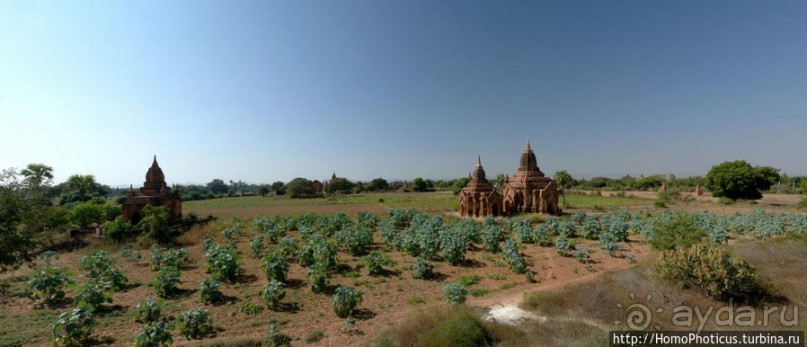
(155, 192)
(528, 191)
(479, 197)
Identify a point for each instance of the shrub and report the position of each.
(148, 311)
(562, 245)
(130, 255)
(454, 292)
(172, 257)
(491, 237)
(375, 262)
(72, 328)
(113, 278)
(345, 301)
(256, 247)
(609, 244)
(581, 254)
(680, 231)
(523, 231)
(250, 308)
(275, 266)
(209, 291)
(422, 269)
(460, 328)
(287, 246)
(48, 284)
(454, 243)
(470, 280)
(223, 262)
(234, 230)
(165, 281)
(276, 338)
(91, 296)
(155, 334)
(117, 229)
(317, 277)
(96, 262)
(195, 323)
(712, 270)
(354, 239)
(513, 257)
(272, 293)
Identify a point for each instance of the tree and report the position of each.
(279, 188)
(459, 184)
(378, 185)
(82, 184)
(340, 185)
(86, 213)
(17, 242)
(37, 175)
(300, 188)
(217, 186)
(564, 181)
(739, 180)
(263, 190)
(419, 185)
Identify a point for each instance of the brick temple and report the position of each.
(155, 192)
(528, 191)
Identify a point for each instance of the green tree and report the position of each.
(340, 185)
(419, 185)
(217, 186)
(18, 231)
(300, 188)
(739, 180)
(564, 181)
(37, 176)
(86, 213)
(459, 184)
(155, 222)
(804, 186)
(83, 184)
(279, 188)
(264, 190)
(378, 185)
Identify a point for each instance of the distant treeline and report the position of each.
(786, 184)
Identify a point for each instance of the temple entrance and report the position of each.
(495, 210)
(136, 218)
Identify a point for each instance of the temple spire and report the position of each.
(478, 160)
(528, 144)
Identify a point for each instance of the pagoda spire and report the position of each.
(478, 160)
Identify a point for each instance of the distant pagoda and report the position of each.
(479, 197)
(154, 192)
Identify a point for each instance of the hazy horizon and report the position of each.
(264, 91)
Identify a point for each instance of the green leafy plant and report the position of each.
(513, 257)
(154, 334)
(345, 301)
(275, 266)
(91, 296)
(454, 292)
(355, 239)
(276, 338)
(165, 281)
(256, 247)
(470, 280)
(234, 230)
(250, 308)
(47, 285)
(422, 269)
(171, 257)
(317, 277)
(375, 262)
(562, 245)
(130, 255)
(195, 323)
(209, 291)
(73, 328)
(95, 263)
(272, 293)
(148, 311)
(491, 237)
(223, 262)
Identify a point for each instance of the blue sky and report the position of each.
(264, 91)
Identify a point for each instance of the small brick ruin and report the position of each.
(155, 192)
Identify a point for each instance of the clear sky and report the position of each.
(271, 90)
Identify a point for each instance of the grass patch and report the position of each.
(415, 300)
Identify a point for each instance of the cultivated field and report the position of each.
(574, 299)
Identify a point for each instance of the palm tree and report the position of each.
(81, 183)
(37, 175)
(563, 179)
